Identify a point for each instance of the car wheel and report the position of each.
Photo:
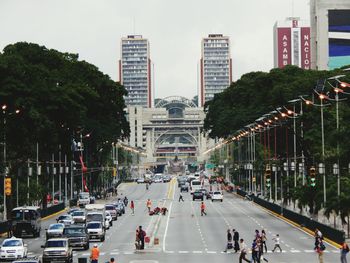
(212, 200)
(193, 199)
(222, 200)
(86, 247)
(102, 238)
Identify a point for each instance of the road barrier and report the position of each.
(328, 232)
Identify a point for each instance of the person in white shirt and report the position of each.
(244, 250)
(277, 243)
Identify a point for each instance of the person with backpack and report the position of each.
(344, 250)
(229, 240)
(320, 248)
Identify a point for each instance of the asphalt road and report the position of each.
(186, 236)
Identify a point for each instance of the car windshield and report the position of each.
(12, 243)
(66, 217)
(196, 183)
(71, 231)
(93, 225)
(78, 213)
(56, 227)
(56, 243)
(23, 214)
(217, 193)
(110, 207)
(94, 217)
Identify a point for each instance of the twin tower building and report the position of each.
(135, 69)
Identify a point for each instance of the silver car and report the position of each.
(79, 216)
(65, 219)
(54, 230)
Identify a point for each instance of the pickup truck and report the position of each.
(57, 250)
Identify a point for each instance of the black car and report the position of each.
(77, 236)
(184, 188)
(198, 194)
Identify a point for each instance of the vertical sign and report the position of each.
(305, 48)
(284, 46)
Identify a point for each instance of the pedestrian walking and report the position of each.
(261, 250)
(203, 209)
(141, 236)
(137, 240)
(344, 250)
(181, 198)
(319, 250)
(95, 254)
(229, 240)
(276, 239)
(255, 252)
(243, 248)
(132, 207)
(235, 240)
(149, 205)
(263, 240)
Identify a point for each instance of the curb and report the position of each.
(296, 225)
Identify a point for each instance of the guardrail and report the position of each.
(304, 221)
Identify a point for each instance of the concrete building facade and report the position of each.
(330, 33)
(172, 128)
(135, 70)
(215, 66)
(292, 43)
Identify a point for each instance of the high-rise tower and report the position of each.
(135, 70)
(215, 66)
(292, 43)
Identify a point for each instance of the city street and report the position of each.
(187, 236)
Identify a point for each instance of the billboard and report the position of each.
(339, 38)
(284, 48)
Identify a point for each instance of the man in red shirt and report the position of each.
(203, 209)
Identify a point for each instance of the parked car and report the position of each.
(54, 230)
(79, 216)
(112, 210)
(217, 196)
(57, 250)
(198, 194)
(96, 230)
(77, 236)
(65, 219)
(13, 248)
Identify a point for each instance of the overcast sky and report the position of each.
(93, 29)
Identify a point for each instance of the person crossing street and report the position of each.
(344, 250)
(203, 209)
(132, 207)
(243, 248)
(277, 243)
(149, 205)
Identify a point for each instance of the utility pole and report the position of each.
(59, 173)
(53, 176)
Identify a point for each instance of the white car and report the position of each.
(141, 181)
(217, 196)
(54, 230)
(78, 216)
(158, 180)
(109, 220)
(13, 248)
(65, 219)
(95, 230)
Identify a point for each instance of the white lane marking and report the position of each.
(211, 252)
(114, 253)
(197, 252)
(167, 226)
(183, 252)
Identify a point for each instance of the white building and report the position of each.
(135, 70)
(330, 33)
(172, 128)
(215, 66)
(292, 43)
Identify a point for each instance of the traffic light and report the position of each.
(312, 172)
(8, 189)
(268, 176)
(114, 171)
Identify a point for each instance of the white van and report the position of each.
(195, 185)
